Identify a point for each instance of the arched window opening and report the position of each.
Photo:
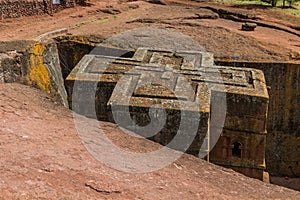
(236, 151)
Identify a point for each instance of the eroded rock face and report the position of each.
(249, 26)
(33, 63)
(283, 124)
(10, 68)
(183, 93)
(11, 60)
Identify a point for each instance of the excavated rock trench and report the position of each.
(46, 65)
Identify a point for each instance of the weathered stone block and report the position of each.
(178, 96)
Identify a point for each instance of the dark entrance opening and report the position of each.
(236, 151)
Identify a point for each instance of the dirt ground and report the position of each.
(221, 36)
(42, 156)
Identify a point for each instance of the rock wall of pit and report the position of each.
(33, 63)
(283, 124)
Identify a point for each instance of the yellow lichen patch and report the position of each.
(38, 74)
(80, 39)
